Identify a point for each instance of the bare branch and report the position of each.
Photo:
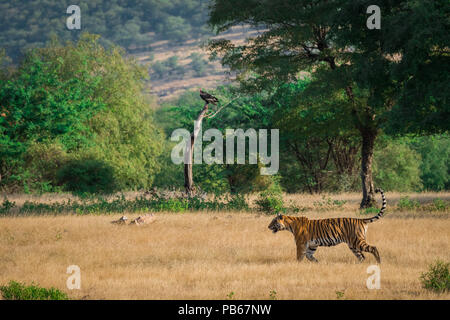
(212, 115)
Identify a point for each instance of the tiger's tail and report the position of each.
(383, 207)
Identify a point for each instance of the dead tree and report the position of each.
(188, 160)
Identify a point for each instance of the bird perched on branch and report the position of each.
(208, 98)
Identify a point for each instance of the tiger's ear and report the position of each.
(278, 215)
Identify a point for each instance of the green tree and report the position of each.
(244, 112)
(38, 105)
(435, 165)
(87, 99)
(198, 64)
(419, 42)
(397, 166)
(315, 134)
(330, 38)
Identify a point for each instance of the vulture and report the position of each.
(208, 98)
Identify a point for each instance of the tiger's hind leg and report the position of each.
(310, 253)
(363, 246)
(358, 254)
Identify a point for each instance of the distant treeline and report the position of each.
(26, 24)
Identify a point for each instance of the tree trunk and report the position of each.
(188, 178)
(368, 142)
(188, 161)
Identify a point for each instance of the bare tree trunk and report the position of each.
(188, 178)
(188, 161)
(368, 142)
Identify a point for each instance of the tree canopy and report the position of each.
(81, 101)
(331, 40)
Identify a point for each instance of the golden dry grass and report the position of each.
(208, 255)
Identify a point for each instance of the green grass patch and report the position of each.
(121, 205)
(437, 278)
(18, 291)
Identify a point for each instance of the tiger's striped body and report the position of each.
(310, 234)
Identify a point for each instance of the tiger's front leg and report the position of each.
(301, 251)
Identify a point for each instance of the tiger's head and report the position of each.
(278, 223)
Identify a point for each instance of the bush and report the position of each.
(237, 202)
(435, 164)
(6, 206)
(18, 291)
(440, 205)
(270, 201)
(328, 203)
(437, 278)
(397, 167)
(407, 203)
(87, 176)
(369, 211)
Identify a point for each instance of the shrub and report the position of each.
(18, 291)
(270, 201)
(369, 211)
(237, 202)
(407, 203)
(87, 176)
(273, 295)
(397, 167)
(6, 206)
(329, 203)
(440, 205)
(437, 278)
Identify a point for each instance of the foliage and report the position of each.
(273, 295)
(167, 69)
(78, 101)
(237, 202)
(119, 204)
(42, 161)
(316, 138)
(407, 203)
(397, 167)
(246, 112)
(87, 176)
(369, 70)
(418, 33)
(369, 211)
(328, 203)
(435, 164)
(18, 291)
(6, 206)
(270, 201)
(39, 105)
(198, 64)
(437, 278)
(441, 205)
(310, 72)
(128, 24)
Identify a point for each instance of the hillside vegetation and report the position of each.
(128, 24)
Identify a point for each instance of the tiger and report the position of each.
(310, 234)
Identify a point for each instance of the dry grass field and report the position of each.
(204, 255)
